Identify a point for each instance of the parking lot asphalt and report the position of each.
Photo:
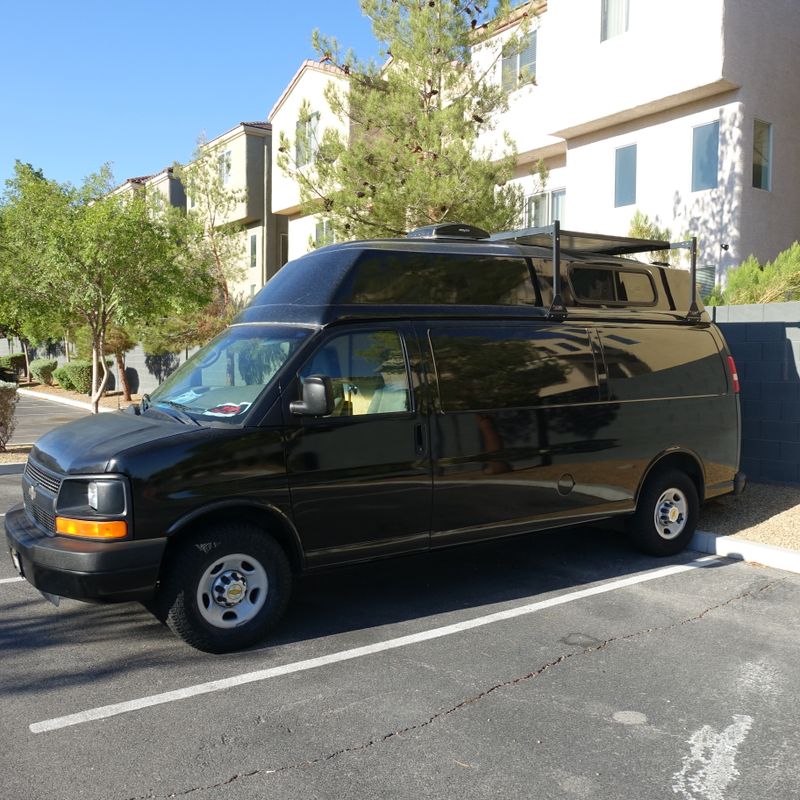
(549, 666)
(35, 417)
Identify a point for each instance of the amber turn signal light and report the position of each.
(92, 529)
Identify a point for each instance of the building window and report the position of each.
(705, 156)
(543, 208)
(625, 176)
(762, 155)
(305, 145)
(614, 18)
(253, 250)
(224, 164)
(520, 68)
(323, 233)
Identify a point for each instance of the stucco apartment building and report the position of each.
(686, 111)
(242, 156)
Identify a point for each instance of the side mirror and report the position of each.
(317, 397)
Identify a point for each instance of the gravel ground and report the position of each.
(15, 455)
(764, 513)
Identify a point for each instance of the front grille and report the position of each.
(38, 476)
(40, 489)
(43, 517)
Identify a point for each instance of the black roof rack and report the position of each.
(575, 242)
(551, 236)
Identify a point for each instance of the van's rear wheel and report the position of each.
(666, 514)
(225, 587)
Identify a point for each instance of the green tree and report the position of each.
(30, 319)
(642, 227)
(212, 204)
(102, 257)
(411, 156)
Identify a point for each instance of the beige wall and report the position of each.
(309, 86)
(247, 152)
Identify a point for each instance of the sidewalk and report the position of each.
(762, 525)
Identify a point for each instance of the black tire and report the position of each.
(664, 535)
(225, 587)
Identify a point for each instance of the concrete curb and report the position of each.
(65, 401)
(12, 469)
(745, 550)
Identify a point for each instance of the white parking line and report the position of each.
(103, 712)
(11, 580)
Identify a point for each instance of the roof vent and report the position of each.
(448, 230)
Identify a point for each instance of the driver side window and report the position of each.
(368, 371)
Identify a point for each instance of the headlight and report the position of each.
(104, 496)
(91, 493)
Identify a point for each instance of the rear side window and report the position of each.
(649, 363)
(410, 278)
(493, 367)
(607, 285)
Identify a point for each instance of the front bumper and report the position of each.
(81, 569)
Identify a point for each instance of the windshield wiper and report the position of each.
(180, 413)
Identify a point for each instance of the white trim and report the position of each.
(746, 550)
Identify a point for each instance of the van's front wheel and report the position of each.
(666, 514)
(225, 588)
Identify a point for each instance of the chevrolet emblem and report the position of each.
(32, 492)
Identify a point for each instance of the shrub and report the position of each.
(775, 281)
(8, 403)
(14, 363)
(42, 370)
(79, 374)
(62, 377)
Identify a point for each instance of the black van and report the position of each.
(387, 397)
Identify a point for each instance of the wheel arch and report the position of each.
(267, 517)
(676, 458)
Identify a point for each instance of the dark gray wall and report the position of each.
(765, 342)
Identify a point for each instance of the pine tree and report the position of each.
(412, 156)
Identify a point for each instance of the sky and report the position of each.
(135, 82)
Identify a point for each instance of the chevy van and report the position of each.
(386, 397)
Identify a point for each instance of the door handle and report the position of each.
(419, 439)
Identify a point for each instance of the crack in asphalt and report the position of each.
(750, 593)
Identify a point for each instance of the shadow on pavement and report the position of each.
(79, 643)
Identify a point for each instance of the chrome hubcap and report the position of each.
(671, 512)
(232, 590)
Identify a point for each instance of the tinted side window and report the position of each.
(646, 363)
(491, 367)
(368, 371)
(427, 278)
(611, 285)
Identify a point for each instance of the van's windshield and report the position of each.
(222, 380)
